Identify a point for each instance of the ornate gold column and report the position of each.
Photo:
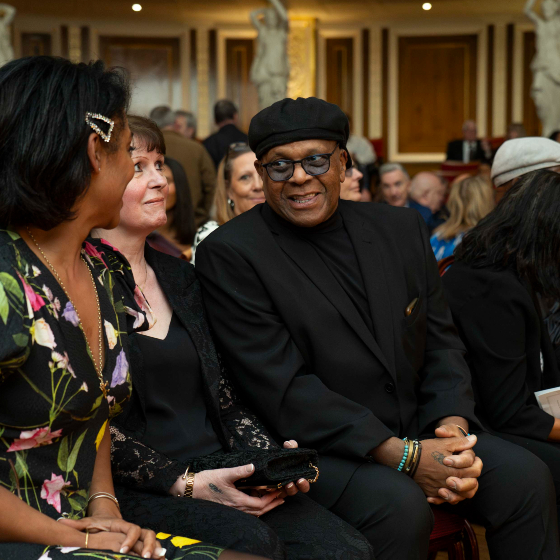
(302, 55)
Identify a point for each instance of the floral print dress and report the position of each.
(53, 413)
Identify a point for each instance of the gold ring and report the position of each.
(87, 537)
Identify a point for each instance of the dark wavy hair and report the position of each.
(182, 214)
(44, 168)
(522, 233)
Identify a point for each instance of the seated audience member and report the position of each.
(238, 189)
(350, 187)
(469, 201)
(185, 124)
(428, 190)
(331, 316)
(518, 157)
(505, 272)
(395, 189)
(195, 160)
(469, 148)
(516, 130)
(193, 411)
(555, 136)
(226, 119)
(62, 173)
(176, 236)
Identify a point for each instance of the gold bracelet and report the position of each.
(87, 537)
(98, 495)
(464, 432)
(189, 484)
(412, 455)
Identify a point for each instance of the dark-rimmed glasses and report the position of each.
(283, 169)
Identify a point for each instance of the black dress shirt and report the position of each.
(218, 143)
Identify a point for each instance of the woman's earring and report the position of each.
(231, 204)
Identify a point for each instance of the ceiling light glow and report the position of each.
(136, 7)
(426, 6)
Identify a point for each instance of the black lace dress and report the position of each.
(145, 469)
(52, 411)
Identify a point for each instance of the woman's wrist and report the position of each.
(103, 507)
(178, 489)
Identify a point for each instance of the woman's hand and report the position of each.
(300, 485)
(218, 485)
(448, 469)
(117, 535)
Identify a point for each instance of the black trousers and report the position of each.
(548, 452)
(298, 529)
(515, 502)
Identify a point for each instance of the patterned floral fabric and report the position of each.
(53, 414)
(52, 411)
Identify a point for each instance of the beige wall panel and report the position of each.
(437, 90)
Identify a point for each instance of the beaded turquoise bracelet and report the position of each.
(405, 455)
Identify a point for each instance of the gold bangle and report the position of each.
(189, 485)
(412, 456)
(87, 537)
(464, 432)
(98, 495)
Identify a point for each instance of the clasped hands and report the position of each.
(218, 485)
(448, 469)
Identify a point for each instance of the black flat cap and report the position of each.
(292, 120)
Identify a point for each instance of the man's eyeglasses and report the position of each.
(283, 169)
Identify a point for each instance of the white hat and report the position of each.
(522, 155)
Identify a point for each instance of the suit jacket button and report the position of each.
(390, 388)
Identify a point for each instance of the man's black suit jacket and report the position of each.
(217, 144)
(301, 353)
(455, 152)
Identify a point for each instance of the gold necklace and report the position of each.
(97, 366)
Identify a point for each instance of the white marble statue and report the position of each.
(270, 70)
(7, 14)
(545, 90)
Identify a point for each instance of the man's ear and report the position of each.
(94, 152)
(343, 162)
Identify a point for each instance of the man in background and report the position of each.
(193, 157)
(395, 189)
(185, 124)
(469, 148)
(226, 118)
(429, 191)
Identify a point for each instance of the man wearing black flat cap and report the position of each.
(332, 319)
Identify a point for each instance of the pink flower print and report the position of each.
(143, 304)
(105, 242)
(34, 438)
(63, 362)
(121, 370)
(93, 252)
(34, 299)
(70, 314)
(50, 490)
(138, 317)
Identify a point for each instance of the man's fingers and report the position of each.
(450, 497)
(462, 461)
(461, 485)
(463, 443)
(448, 430)
(436, 501)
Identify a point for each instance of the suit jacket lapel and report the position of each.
(317, 271)
(371, 265)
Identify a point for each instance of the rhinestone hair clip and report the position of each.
(106, 137)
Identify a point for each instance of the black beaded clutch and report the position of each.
(274, 468)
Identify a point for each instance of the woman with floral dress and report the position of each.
(64, 368)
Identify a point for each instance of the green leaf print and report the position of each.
(77, 504)
(74, 455)
(4, 305)
(21, 339)
(11, 286)
(62, 459)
